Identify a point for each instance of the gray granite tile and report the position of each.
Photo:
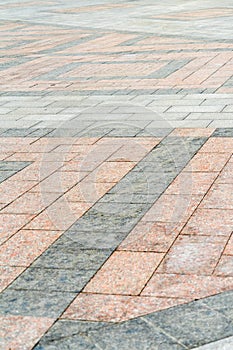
(5, 174)
(34, 303)
(96, 240)
(66, 254)
(13, 166)
(67, 335)
(155, 132)
(53, 280)
(135, 334)
(133, 198)
(222, 303)
(223, 344)
(223, 132)
(13, 132)
(111, 218)
(192, 324)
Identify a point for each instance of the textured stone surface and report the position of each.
(116, 174)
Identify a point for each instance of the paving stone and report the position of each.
(227, 123)
(142, 336)
(34, 303)
(221, 303)
(95, 240)
(192, 325)
(117, 218)
(223, 132)
(13, 166)
(225, 344)
(75, 87)
(126, 198)
(14, 132)
(65, 253)
(156, 132)
(53, 280)
(67, 334)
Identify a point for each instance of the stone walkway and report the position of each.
(116, 163)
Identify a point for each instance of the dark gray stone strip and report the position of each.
(71, 44)
(17, 62)
(53, 74)
(223, 132)
(170, 68)
(181, 327)
(8, 169)
(63, 270)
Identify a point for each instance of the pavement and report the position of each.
(116, 163)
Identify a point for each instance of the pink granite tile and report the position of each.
(10, 190)
(60, 181)
(134, 150)
(30, 203)
(8, 274)
(219, 197)
(210, 222)
(110, 171)
(186, 286)
(124, 273)
(226, 176)
(197, 132)
(208, 162)
(192, 183)
(115, 308)
(25, 246)
(173, 208)
(50, 222)
(87, 191)
(225, 266)
(65, 211)
(11, 223)
(151, 236)
(22, 332)
(218, 145)
(229, 247)
(189, 255)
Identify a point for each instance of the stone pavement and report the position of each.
(116, 162)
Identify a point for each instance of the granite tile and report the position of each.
(53, 280)
(25, 246)
(65, 253)
(189, 287)
(8, 274)
(188, 255)
(115, 308)
(225, 266)
(22, 332)
(218, 145)
(193, 324)
(124, 273)
(34, 303)
(208, 162)
(219, 197)
(192, 183)
(151, 236)
(143, 335)
(67, 334)
(210, 222)
(173, 208)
